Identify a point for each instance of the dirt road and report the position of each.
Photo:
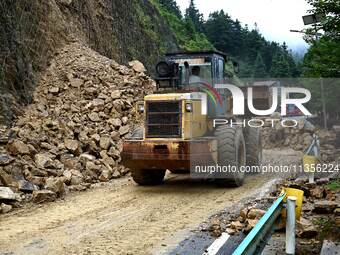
(119, 218)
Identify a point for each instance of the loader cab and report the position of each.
(197, 71)
(181, 69)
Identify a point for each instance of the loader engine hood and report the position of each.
(179, 97)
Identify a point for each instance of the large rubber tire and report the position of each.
(231, 152)
(253, 140)
(148, 177)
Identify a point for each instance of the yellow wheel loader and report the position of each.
(179, 132)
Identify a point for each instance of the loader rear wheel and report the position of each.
(148, 177)
(253, 140)
(231, 155)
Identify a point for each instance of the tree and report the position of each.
(259, 67)
(218, 30)
(330, 9)
(280, 66)
(323, 59)
(189, 27)
(254, 43)
(193, 14)
(187, 36)
(249, 48)
(171, 6)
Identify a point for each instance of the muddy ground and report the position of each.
(123, 218)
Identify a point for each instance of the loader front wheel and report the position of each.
(148, 177)
(231, 156)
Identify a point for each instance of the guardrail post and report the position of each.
(290, 225)
(313, 149)
(311, 177)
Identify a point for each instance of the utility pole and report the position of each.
(323, 103)
(314, 19)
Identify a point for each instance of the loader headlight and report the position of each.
(188, 107)
(140, 108)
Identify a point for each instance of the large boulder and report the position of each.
(105, 142)
(76, 177)
(305, 228)
(325, 206)
(17, 147)
(43, 160)
(26, 186)
(5, 178)
(56, 185)
(72, 145)
(5, 159)
(4, 208)
(137, 66)
(255, 213)
(7, 194)
(43, 196)
(105, 176)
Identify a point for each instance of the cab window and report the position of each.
(204, 72)
(220, 69)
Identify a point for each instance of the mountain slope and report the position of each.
(32, 31)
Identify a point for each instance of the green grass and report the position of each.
(335, 185)
(325, 227)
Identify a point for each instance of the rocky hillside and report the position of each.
(31, 32)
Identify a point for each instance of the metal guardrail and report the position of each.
(256, 240)
(313, 149)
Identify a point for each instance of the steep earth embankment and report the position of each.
(31, 32)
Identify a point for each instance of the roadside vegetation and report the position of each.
(187, 36)
(335, 185)
(323, 58)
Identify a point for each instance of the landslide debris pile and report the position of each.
(71, 135)
(300, 138)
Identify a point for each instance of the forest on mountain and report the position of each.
(258, 58)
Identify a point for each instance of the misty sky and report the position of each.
(274, 18)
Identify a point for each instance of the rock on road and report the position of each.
(119, 217)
